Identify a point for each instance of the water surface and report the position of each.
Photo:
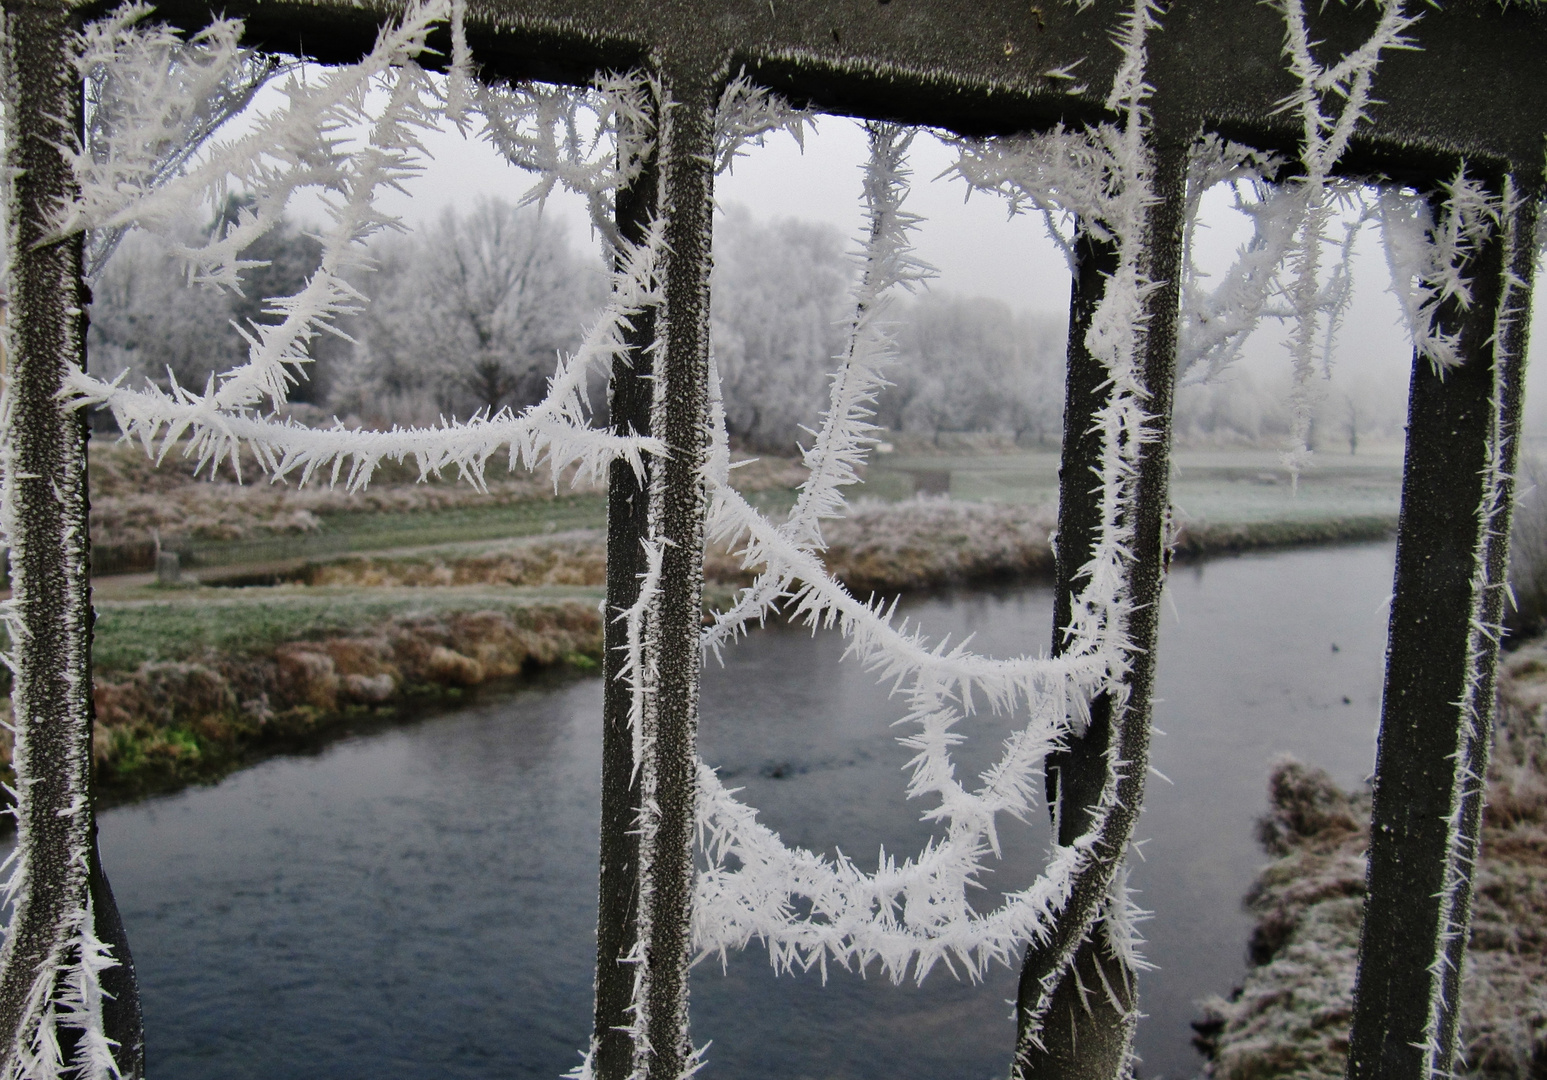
(419, 902)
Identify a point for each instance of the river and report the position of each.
(419, 902)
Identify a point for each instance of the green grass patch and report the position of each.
(347, 532)
(251, 621)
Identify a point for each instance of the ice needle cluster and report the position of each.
(304, 144)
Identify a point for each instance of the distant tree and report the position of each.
(780, 310)
(471, 314)
(973, 364)
(1034, 401)
(287, 257)
(147, 318)
(1234, 408)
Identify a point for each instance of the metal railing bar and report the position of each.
(629, 405)
(1471, 88)
(1088, 1039)
(63, 903)
(1441, 661)
(678, 506)
(1076, 1044)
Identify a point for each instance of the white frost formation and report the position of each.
(1427, 254)
(303, 145)
(911, 914)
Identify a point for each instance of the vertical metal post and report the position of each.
(44, 461)
(1076, 775)
(1432, 756)
(627, 527)
(678, 504)
(1087, 1033)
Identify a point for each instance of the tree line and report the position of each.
(468, 314)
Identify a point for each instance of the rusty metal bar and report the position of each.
(678, 504)
(1431, 764)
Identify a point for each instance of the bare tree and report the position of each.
(472, 312)
(780, 297)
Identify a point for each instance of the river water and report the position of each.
(419, 902)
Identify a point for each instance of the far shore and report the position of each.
(194, 682)
(245, 657)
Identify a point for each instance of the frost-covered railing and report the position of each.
(1112, 117)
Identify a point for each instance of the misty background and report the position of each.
(471, 304)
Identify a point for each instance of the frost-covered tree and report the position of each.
(781, 316)
(283, 258)
(471, 312)
(1235, 408)
(973, 364)
(146, 320)
(780, 290)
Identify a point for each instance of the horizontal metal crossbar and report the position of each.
(1475, 86)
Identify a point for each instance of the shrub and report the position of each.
(1527, 615)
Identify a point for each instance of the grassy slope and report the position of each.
(194, 683)
(150, 625)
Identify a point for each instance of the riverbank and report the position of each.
(923, 542)
(191, 686)
(192, 683)
(1291, 1016)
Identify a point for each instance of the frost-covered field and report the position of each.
(1219, 486)
(229, 525)
(238, 518)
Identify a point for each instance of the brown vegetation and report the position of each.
(574, 559)
(923, 542)
(136, 503)
(170, 723)
(880, 547)
(1291, 1017)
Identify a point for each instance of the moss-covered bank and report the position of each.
(194, 683)
(274, 676)
(1291, 1017)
